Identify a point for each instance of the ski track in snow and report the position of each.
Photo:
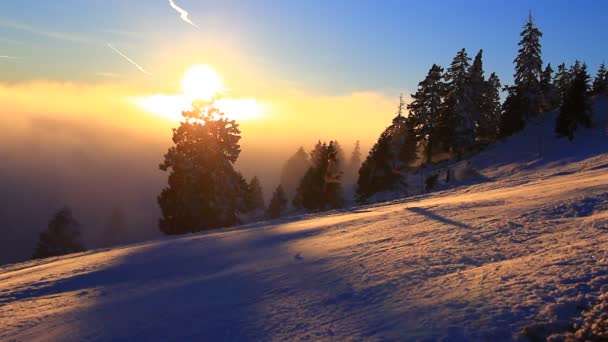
(527, 244)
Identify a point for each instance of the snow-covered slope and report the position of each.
(527, 244)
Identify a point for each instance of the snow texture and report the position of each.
(526, 244)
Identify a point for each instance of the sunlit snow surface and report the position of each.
(529, 243)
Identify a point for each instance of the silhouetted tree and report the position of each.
(459, 123)
(293, 171)
(512, 118)
(576, 106)
(490, 109)
(600, 83)
(562, 82)
(254, 199)
(528, 69)
(376, 173)
(550, 95)
(320, 188)
(61, 237)
(351, 168)
(204, 191)
(427, 114)
(389, 159)
(278, 203)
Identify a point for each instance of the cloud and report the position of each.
(7, 57)
(129, 60)
(183, 13)
(65, 36)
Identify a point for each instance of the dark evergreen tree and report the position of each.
(254, 199)
(293, 171)
(576, 106)
(528, 69)
(278, 204)
(427, 114)
(204, 191)
(458, 125)
(512, 117)
(376, 173)
(562, 82)
(389, 159)
(550, 96)
(61, 237)
(600, 83)
(490, 109)
(321, 188)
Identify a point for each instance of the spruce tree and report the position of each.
(548, 89)
(278, 203)
(376, 173)
(528, 69)
(293, 171)
(204, 191)
(600, 83)
(457, 127)
(254, 199)
(61, 237)
(354, 163)
(389, 158)
(512, 118)
(576, 106)
(561, 81)
(490, 108)
(427, 114)
(321, 188)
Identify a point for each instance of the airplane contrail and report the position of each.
(8, 57)
(182, 13)
(129, 60)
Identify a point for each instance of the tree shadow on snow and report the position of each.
(433, 216)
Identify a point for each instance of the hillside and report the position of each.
(527, 243)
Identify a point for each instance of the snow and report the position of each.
(525, 244)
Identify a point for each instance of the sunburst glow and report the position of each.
(201, 82)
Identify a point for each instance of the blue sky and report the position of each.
(326, 47)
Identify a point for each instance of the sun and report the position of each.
(201, 82)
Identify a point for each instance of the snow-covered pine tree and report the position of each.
(254, 199)
(278, 204)
(548, 90)
(61, 237)
(457, 129)
(293, 170)
(528, 69)
(427, 114)
(476, 89)
(487, 127)
(321, 188)
(600, 83)
(204, 191)
(576, 105)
